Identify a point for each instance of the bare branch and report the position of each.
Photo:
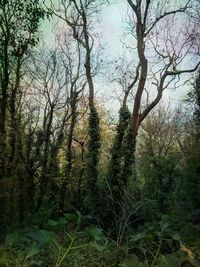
(180, 10)
(178, 72)
(127, 91)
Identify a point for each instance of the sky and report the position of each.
(112, 27)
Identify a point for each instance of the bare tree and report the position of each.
(161, 131)
(73, 61)
(49, 93)
(80, 16)
(161, 53)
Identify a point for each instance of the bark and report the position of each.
(3, 106)
(69, 156)
(143, 70)
(44, 173)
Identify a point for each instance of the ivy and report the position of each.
(92, 160)
(121, 154)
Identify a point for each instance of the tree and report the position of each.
(161, 131)
(153, 61)
(49, 90)
(190, 146)
(159, 157)
(171, 58)
(151, 25)
(78, 15)
(19, 24)
(73, 62)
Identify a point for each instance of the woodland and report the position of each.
(99, 163)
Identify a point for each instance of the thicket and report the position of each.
(75, 189)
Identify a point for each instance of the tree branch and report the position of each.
(178, 72)
(131, 85)
(155, 101)
(180, 10)
(133, 6)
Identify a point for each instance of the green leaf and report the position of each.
(169, 261)
(98, 247)
(70, 217)
(94, 233)
(137, 237)
(163, 225)
(176, 237)
(32, 251)
(52, 223)
(42, 237)
(14, 239)
(60, 223)
(133, 261)
(34, 263)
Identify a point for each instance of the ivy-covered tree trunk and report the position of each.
(79, 21)
(129, 147)
(121, 165)
(92, 161)
(122, 161)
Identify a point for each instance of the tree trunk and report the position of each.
(69, 156)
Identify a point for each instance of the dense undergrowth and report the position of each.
(79, 188)
(72, 240)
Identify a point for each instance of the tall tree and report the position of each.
(19, 24)
(161, 55)
(79, 16)
(156, 57)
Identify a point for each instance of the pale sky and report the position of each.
(112, 27)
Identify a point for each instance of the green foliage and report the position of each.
(123, 228)
(152, 245)
(28, 246)
(94, 233)
(92, 160)
(161, 176)
(193, 98)
(159, 245)
(121, 148)
(20, 21)
(90, 256)
(22, 29)
(189, 189)
(21, 247)
(121, 164)
(128, 172)
(133, 260)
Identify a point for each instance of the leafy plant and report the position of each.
(22, 246)
(153, 241)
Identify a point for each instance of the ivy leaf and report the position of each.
(163, 226)
(98, 247)
(137, 237)
(133, 261)
(14, 239)
(42, 237)
(61, 222)
(32, 251)
(70, 217)
(176, 237)
(169, 261)
(94, 233)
